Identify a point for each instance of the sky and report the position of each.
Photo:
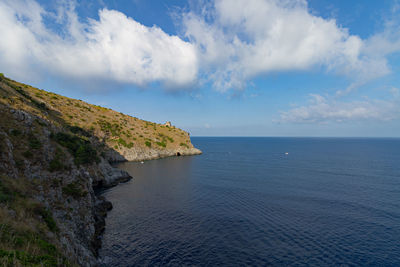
(328, 68)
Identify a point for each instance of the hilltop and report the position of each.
(128, 138)
(54, 153)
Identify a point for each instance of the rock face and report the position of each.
(67, 190)
(139, 153)
(54, 168)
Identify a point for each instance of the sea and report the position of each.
(260, 202)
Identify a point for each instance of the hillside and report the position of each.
(54, 153)
(132, 138)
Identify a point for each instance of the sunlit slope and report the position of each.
(124, 137)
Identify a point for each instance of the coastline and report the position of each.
(119, 176)
(137, 154)
(55, 157)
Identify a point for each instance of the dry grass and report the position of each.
(28, 232)
(117, 130)
(24, 222)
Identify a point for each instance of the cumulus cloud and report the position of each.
(115, 47)
(327, 109)
(240, 39)
(227, 43)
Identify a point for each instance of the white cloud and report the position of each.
(115, 47)
(240, 39)
(228, 43)
(326, 109)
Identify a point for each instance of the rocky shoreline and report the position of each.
(102, 206)
(117, 176)
(55, 158)
(138, 154)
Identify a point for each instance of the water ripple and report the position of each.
(328, 203)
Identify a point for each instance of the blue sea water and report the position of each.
(328, 202)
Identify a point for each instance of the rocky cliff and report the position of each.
(54, 153)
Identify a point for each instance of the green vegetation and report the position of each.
(122, 142)
(34, 143)
(19, 89)
(22, 241)
(183, 144)
(27, 154)
(19, 163)
(47, 217)
(162, 144)
(81, 149)
(39, 95)
(80, 131)
(15, 132)
(113, 128)
(27, 248)
(74, 190)
(56, 164)
(6, 195)
(41, 123)
(29, 233)
(147, 143)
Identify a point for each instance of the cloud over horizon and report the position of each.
(228, 43)
(327, 109)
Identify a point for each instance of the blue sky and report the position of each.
(217, 68)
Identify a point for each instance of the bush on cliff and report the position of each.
(81, 150)
(74, 190)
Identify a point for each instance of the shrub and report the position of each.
(39, 95)
(19, 163)
(124, 143)
(73, 190)
(55, 165)
(161, 144)
(41, 123)
(114, 128)
(79, 130)
(34, 143)
(16, 132)
(38, 104)
(147, 143)
(27, 154)
(41, 253)
(85, 154)
(183, 144)
(47, 217)
(6, 195)
(81, 150)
